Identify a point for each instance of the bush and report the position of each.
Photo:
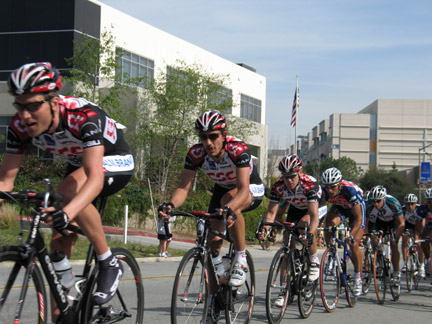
(9, 217)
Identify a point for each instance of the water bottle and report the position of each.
(226, 266)
(63, 268)
(217, 262)
(200, 227)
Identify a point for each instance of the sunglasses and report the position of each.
(30, 107)
(376, 201)
(211, 137)
(290, 176)
(331, 187)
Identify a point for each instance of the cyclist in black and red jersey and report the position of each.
(306, 203)
(99, 160)
(238, 188)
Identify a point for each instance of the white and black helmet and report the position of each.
(331, 176)
(290, 163)
(410, 198)
(428, 193)
(378, 193)
(209, 121)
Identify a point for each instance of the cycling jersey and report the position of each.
(424, 213)
(349, 196)
(308, 190)
(391, 210)
(224, 172)
(411, 217)
(82, 125)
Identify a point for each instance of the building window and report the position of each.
(372, 159)
(373, 127)
(223, 98)
(323, 137)
(250, 108)
(133, 66)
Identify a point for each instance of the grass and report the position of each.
(9, 236)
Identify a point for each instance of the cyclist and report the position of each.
(306, 203)
(347, 202)
(414, 224)
(238, 188)
(99, 160)
(425, 212)
(384, 213)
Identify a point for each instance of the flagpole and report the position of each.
(297, 115)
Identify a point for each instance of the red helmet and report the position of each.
(290, 163)
(210, 120)
(34, 78)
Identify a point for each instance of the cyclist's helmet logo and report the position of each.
(290, 163)
(34, 78)
(378, 193)
(209, 121)
(410, 198)
(428, 194)
(331, 176)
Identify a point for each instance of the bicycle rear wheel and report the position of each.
(329, 280)
(350, 282)
(127, 305)
(240, 300)
(306, 291)
(367, 271)
(189, 302)
(380, 277)
(12, 272)
(278, 286)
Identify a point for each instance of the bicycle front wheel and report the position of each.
(380, 277)
(350, 282)
(306, 291)
(240, 300)
(189, 302)
(329, 280)
(278, 286)
(12, 271)
(367, 271)
(127, 305)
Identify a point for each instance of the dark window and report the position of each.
(250, 108)
(134, 66)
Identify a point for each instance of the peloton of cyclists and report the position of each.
(304, 196)
(347, 202)
(384, 212)
(425, 212)
(414, 224)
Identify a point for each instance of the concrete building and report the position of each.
(29, 33)
(386, 133)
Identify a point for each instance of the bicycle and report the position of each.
(367, 264)
(76, 304)
(196, 279)
(289, 273)
(337, 273)
(383, 268)
(267, 242)
(412, 263)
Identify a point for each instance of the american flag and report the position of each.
(295, 107)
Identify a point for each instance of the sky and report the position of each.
(347, 53)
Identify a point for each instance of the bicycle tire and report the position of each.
(306, 290)
(35, 305)
(278, 282)
(394, 289)
(380, 277)
(350, 279)
(367, 270)
(410, 272)
(240, 300)
(190, 305)
(329, 280)
(127, 305)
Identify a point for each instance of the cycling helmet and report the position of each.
(34, 78)
(290, 163)
(331, 176)
(209, 121)
(428, 193)
(410, 198)
(378, 193)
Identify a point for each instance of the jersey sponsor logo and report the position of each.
(197, 152)
(235, 149)
(110, 132)
(222, 176)
(212, 165)
(91, 129)
(75, 120)
(48, 140)
(257, 190)
(117, 163)
(19, 125)
(91, 143)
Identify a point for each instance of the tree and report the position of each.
(172, 104)
(346, 165)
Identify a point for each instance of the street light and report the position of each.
(419, 170)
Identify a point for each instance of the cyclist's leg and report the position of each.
(333, 218)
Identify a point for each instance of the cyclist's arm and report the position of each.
(357, 212)
(243, 191)
(314, 217)
(93, 168)
(180, 194)
(269, 217)
(9, 170)
(401, 225)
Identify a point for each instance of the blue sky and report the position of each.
(347, 53)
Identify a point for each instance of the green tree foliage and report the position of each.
(346, 165)
(395, 184)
